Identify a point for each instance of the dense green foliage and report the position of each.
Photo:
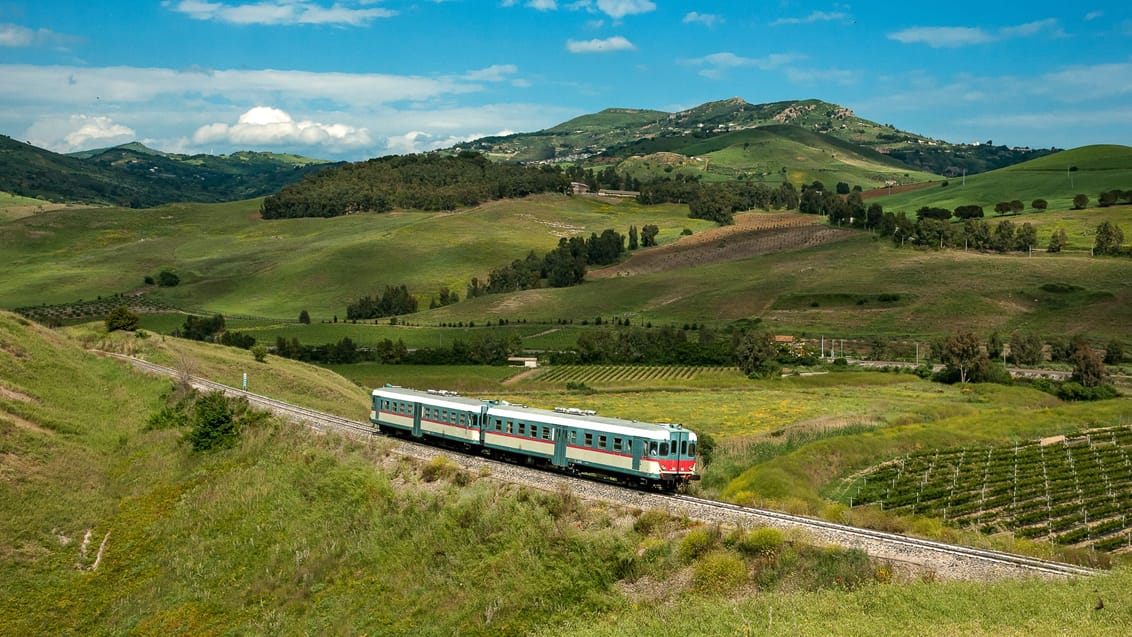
(416, 182)
(121, 318)
(136, 176)
(395, 301)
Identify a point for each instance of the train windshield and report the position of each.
(663, 449)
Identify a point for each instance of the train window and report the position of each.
(589, 439)
(510, 426)
(498, 425)
(617, 444)
(692, 450)
(684, 448)
(663, 449)
(602, 442)
(546, 433)
(629, 446)
(653, 448)
(522, 429)
(573, 437)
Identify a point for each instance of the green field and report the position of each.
(231, 261)
(1098, 168)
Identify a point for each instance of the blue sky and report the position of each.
(352, 79)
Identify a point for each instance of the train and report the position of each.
(571, 440)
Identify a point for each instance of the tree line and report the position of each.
(418, 182)
(563, 266)
(718, 201)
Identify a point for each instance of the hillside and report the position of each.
(1057, 178)
(136, 176)
(616, 134)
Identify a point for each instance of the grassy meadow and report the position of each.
(231, 261)
(108, 526)
(1056, 178)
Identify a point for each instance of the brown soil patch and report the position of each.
(892, 190)
(22, 423)
(752, 234)
(526, 373)
(11, 394)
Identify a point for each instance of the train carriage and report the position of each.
(569, 439)
(438, 414)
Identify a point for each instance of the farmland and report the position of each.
(1073, 489)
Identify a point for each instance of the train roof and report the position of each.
(441, 398)
(578, 418)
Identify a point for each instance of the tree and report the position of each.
(121, 318)
(1016, 206)
(167, 279)
(633, 237)
(259, 351)
(1025, 350)
(1080, 201)
(1003, 239)
(304, 317)
(963, 354)
(842, 188)
(1027, 236)
(1109, 238)
(757, 354)
(1114, 353)
(1002, 207)
(1039, 204)
(1088, 364)
(1057, 240)
(213, 423)
(969, 212)
(648, 235)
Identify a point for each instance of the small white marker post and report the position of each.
(245, 381)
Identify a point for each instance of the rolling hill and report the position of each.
(136, 176)
(613, 135)
(1057, 178)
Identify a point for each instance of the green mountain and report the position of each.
(136, 176)
(616, 134)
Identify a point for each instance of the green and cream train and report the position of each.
(646, 454)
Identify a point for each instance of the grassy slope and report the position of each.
(231, 261)
(292, 533)
(1099, 168)
(761, 154)
(931, 301)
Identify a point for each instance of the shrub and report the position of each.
(719, 572)
(214, 424)
(760, 542)
(121, 318)
(698, 542)
(259, 351)
(167, 279)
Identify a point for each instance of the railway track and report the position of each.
(926, 558)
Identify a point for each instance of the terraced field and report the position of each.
(624, 374)
(1072, 490)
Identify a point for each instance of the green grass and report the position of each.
(1099, 168)
(940, 292)
(231, 261)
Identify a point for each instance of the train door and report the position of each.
(680, 450)
(639, 445)
(560, 434)
(417, 420)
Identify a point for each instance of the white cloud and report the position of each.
(706, 19)
(615, 43)
(952, 37)
(1093, 15)
(620, 8)
(816, 16)
(14, 35)
(543, 5)
(273, 12)
(67, 134)
(268, 126)
(717, 63)
(942, 37)
(85, 85)
(493, 73)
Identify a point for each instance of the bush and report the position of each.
(167, 279)
(259, 351)
(214, 424)
(698, 542)
(121, 318)
(719, 572)
(760, 542)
